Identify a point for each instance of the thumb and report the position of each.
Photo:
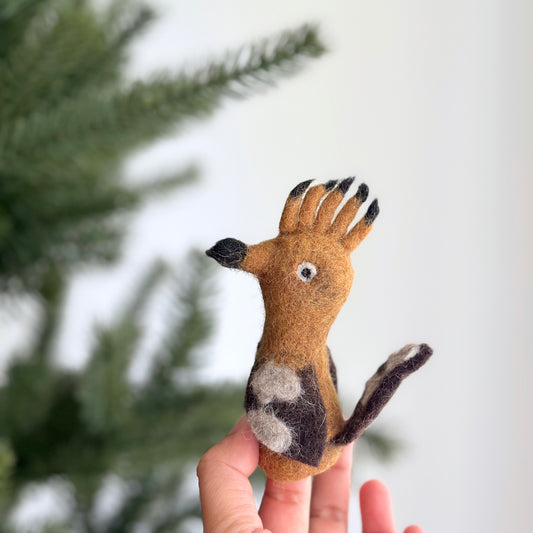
(226, 494)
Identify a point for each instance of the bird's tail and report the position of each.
(380, 388)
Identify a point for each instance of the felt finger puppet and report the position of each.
(305, 275)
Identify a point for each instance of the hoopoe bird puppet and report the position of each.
(305, 275)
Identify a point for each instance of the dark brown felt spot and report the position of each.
(305, 416)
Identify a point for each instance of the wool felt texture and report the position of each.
(305, 275)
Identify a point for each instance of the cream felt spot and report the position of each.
(414, 350)
(270, 431)
(406, 353)
(273, 382)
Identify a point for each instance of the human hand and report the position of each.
(228, 504)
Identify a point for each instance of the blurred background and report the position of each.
(133, 136)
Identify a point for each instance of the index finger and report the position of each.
(226, 495)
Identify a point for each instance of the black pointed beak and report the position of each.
(228, 252)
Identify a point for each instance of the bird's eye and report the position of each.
(306, 271)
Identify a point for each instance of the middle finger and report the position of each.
(285, 506)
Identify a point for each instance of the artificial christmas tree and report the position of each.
(67, 120)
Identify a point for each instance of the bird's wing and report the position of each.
(286, 412)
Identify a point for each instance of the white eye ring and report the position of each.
(306, 271)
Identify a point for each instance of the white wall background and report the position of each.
(430, 104)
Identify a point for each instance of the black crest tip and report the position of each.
(345, 184)
(362, 192)
(330, 184)
(372, 213)
(300, 189)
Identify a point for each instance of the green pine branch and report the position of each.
(7, 463)
(15, 16)
(105, 393)
(104, 120)
(184, 427)
(70, 41)
(65, 129)
(51, 295)
(189, 325)
(165, 183)
(134, 506)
